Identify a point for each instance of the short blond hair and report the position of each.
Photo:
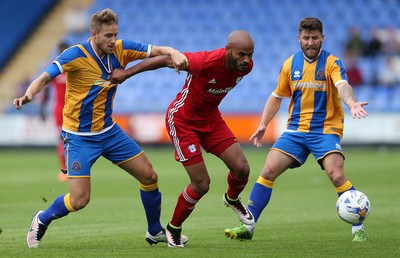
(106, 16)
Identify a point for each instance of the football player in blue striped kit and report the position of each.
(316, 82)
(89, 130)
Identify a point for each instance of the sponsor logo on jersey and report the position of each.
(219, 91)
(310, 85)
(102, 83)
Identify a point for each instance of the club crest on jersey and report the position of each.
(76, 166)
(192, 148)
(321, 75)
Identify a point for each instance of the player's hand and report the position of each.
(180, 61)
(18, 102)
(257, 136)
(358, 111)
(117, 76)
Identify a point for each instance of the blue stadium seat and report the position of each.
(22, 17)
(204, 25)
(381, 99)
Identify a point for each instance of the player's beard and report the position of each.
(315, 50)
(235, 64)
(108, 50)
(242, 66)
(231, 64)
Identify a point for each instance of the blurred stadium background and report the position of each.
(365, 34)
(32, 31)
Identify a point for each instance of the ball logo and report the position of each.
(76, 166)
(360, 200)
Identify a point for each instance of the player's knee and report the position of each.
(149, 178)
(201, 188)
(268, 173)
(79, 203)
(337, 179)
(243, 170)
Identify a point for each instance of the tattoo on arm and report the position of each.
(347, 94)
(46, 79)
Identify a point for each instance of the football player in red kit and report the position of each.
(193, 120)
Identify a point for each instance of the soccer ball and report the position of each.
(353, 206)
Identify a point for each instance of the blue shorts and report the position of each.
(299, 145)
(81, 152)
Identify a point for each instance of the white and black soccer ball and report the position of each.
(353, 206)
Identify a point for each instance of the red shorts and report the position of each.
(214, 136)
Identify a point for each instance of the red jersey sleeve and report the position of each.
(196, 61)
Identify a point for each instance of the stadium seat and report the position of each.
(204, 25)
(23, 22)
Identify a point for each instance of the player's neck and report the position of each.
(96, 50)
(312, 60)
(106, 67)
(228, 64)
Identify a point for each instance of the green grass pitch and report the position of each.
(300, 221)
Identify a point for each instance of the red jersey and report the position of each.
(59, 97)
(207, 83)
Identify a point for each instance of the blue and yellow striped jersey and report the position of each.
(89, 95)
(315, 104)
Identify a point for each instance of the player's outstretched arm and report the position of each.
(347, 95)
(119, 75)
(36, 86)
(271, 108)
(179, 60)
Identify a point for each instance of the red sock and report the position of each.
(235, 186)
(185, 205)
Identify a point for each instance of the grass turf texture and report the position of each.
(300, 221)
